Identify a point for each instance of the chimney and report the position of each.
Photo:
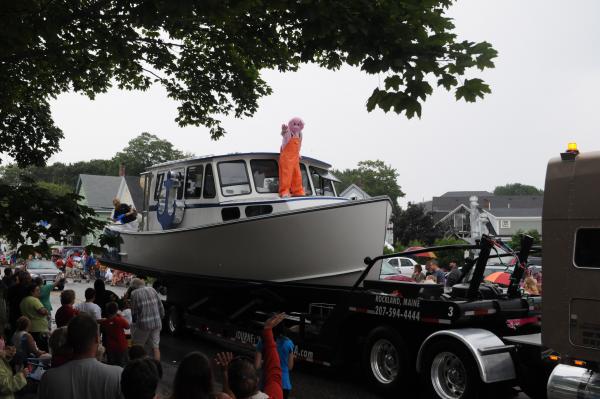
(122, 169)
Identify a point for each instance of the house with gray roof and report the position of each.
(98, 193)
(505, 214)
(130, 192)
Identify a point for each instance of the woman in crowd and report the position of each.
(103, 296)
(23, 341)
(10, 382)
(418, 275)
(36, 312)
(194, 379)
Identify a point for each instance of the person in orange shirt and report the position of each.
(290, 178)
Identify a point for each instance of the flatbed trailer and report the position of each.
(456, 341)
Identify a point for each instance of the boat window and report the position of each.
(265, 174)
(322, 185)
(231, 213)
(257, 210)
(193, 182)
(159, 185)
(178, 177)
(586, 248)
(234, 178)
(209, 183)
(305, 182)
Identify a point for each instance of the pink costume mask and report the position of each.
(296, 125)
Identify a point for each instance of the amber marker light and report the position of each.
(579, 363)
(571, 152)
(554, 358)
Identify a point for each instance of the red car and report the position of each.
(390, 273)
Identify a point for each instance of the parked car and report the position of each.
(47, 270)
(389, 272)
(403, 264)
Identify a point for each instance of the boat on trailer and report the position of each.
(221, 217)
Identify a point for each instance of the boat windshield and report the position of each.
(265, 174)
(234, 178)
(323, 186)
(305, 182)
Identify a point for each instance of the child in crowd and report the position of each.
(113, 328)
(530, 286)
(137, 352)
(59, 348)
(66, 312)
(285, 348)
(125, 312)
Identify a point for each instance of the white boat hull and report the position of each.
(312, 244)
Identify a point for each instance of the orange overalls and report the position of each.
(290, 177)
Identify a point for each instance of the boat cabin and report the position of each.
(214, 189)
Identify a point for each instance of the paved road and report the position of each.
(309, 381)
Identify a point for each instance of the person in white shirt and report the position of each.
(89, 307)
(83, 376)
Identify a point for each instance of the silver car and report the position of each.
(47, 270)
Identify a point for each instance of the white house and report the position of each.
(354, 192)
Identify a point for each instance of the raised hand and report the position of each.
(223, 359)
(284, 129)
(274, 320)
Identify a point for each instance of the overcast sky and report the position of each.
(544, 91)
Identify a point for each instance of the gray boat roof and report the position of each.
(310, 160)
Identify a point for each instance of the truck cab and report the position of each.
(571, 225)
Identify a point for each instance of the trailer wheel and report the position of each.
(386, 360)
(449, 371)
(174, 322)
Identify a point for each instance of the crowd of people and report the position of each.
(434, 274)
(451, 274)
(108, 347)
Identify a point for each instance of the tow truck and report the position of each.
(458, 341)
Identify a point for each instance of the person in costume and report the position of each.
(290, 178)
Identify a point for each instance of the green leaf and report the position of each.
(471, 89)
(393, 82)
(448, 81)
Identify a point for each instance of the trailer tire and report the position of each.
(449, 371)
(174, 321)
(386, 360)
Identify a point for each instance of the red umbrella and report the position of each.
(421, 254)
(501, 278)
